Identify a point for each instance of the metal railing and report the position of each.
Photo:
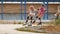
(31, 0)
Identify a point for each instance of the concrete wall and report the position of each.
(15, 8)
(53, 8)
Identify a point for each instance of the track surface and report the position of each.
(10, 29)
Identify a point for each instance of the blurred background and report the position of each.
(17, 9)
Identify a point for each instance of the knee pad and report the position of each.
(31, 18)
(28, 17)
(39, 18)
(36, 16)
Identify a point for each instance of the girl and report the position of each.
(31, 14)
(41, 12)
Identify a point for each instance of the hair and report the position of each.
(31, 7)
(43, 5)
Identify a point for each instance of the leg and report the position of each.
(26, 21)
(36, 17)
(40, 21)
(30, 23)
(31, 19)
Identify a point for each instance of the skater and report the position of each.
(57, 15)
(41, 12)
(31, 14)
